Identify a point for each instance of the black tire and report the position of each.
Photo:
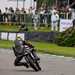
(38, 66)
(31, 63)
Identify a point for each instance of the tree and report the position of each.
(47, 2)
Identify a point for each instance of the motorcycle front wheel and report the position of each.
(34, 65)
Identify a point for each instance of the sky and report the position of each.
(7, 3)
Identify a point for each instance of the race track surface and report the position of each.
(51, 65)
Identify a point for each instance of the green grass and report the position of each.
(45, 48)
(15, 28)
(54, 49)
(8, 28)
(6, 44)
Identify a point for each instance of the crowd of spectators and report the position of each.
(11, 15)
(41, 17)
(19, 15)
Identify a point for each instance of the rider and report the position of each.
(19, 51)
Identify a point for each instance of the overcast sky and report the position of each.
(7, 3)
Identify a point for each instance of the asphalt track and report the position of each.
(51, 65)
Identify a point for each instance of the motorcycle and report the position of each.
(30, 58)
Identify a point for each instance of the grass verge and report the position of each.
(15, 28)
(44, 48)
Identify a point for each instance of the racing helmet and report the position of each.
(18, 37)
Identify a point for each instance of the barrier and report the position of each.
(34, 36)
(11, 35)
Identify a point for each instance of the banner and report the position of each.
(4, 35)
(12, 36)
(65, 24)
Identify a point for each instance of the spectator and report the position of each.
(22, 15)
(46, 16)
(1, 16)
(17, 13)
(35, 20)
(9, 14)
(5, 15)
(12, 14)
(42, 11)
(54, 21)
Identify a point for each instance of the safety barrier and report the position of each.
(34, 36)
